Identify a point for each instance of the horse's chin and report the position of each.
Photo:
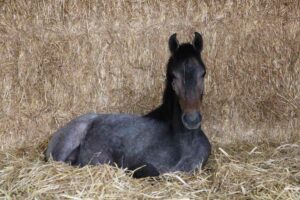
(191, 127)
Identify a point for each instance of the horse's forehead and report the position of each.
(190, 67)
(191, 62)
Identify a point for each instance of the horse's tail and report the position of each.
(64, 144)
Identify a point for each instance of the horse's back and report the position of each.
(117, 138)
(65, 142)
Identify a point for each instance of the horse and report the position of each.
(167, 139)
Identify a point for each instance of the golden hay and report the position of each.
(59, 59)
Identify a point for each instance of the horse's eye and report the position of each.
(173, 85)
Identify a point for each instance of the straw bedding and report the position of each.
(60, 59)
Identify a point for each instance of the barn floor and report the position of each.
(240, 171)
(60, 59)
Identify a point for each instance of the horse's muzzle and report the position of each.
(191, 120)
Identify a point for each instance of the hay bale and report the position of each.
(59, 59)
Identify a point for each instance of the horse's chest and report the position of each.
(190, 147)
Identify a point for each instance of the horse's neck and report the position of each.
(158, 113)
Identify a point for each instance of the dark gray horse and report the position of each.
(167, 139)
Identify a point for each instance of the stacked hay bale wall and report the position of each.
(59, 59)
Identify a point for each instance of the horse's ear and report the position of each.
(198, 42)
(173, 43)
